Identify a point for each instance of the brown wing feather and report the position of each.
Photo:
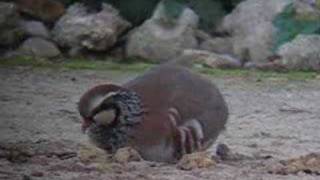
(192, 95)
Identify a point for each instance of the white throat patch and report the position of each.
(99, 99)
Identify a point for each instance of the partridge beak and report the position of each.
(85, 124)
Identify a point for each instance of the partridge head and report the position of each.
(163, 114)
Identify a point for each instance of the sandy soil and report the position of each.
(40, 137)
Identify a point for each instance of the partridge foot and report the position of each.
(196, 160)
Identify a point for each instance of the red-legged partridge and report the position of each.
(163, 114)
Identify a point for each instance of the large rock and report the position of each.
(221, 45)
(45, 10)
(251, 27)
(38, 47)
(303, 53)
(10, 31)
(160, 39)
(78, 29)
(35, 29)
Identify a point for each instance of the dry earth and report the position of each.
(40, 137)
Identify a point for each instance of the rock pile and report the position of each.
(246, 38)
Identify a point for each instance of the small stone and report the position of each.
(25, 177)
(90, 154)
(225, 154)
(195, 161)
(127, 154)
(223, 151)
(73, 79)
(40, 160)
(37, 174)
(253, 145)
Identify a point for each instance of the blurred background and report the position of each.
(264, 55)
(276, 35)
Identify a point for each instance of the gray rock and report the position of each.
(220, 45)
(35, 28)
(99, 31)
(307, 9)
(251, 27)
(302, 53)
(10, 32)
(210, 59)
(38, 47)
(160, 39)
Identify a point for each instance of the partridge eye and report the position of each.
(105, 117)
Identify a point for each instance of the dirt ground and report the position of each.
(40, 138)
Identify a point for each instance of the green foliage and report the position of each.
(69, 2)
(229, 5)
(136, 11)
(210, 12)
(289, 25)
(173, 8)
(75, 64)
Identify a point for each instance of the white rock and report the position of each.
(302, 53)
(38, 47)
(251, 27)
(98, 31)
(159, 39)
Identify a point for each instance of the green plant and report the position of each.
(137, 11)
(210, 12)
(289, 25)
(114, 65)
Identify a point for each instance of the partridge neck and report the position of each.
(130, 108)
